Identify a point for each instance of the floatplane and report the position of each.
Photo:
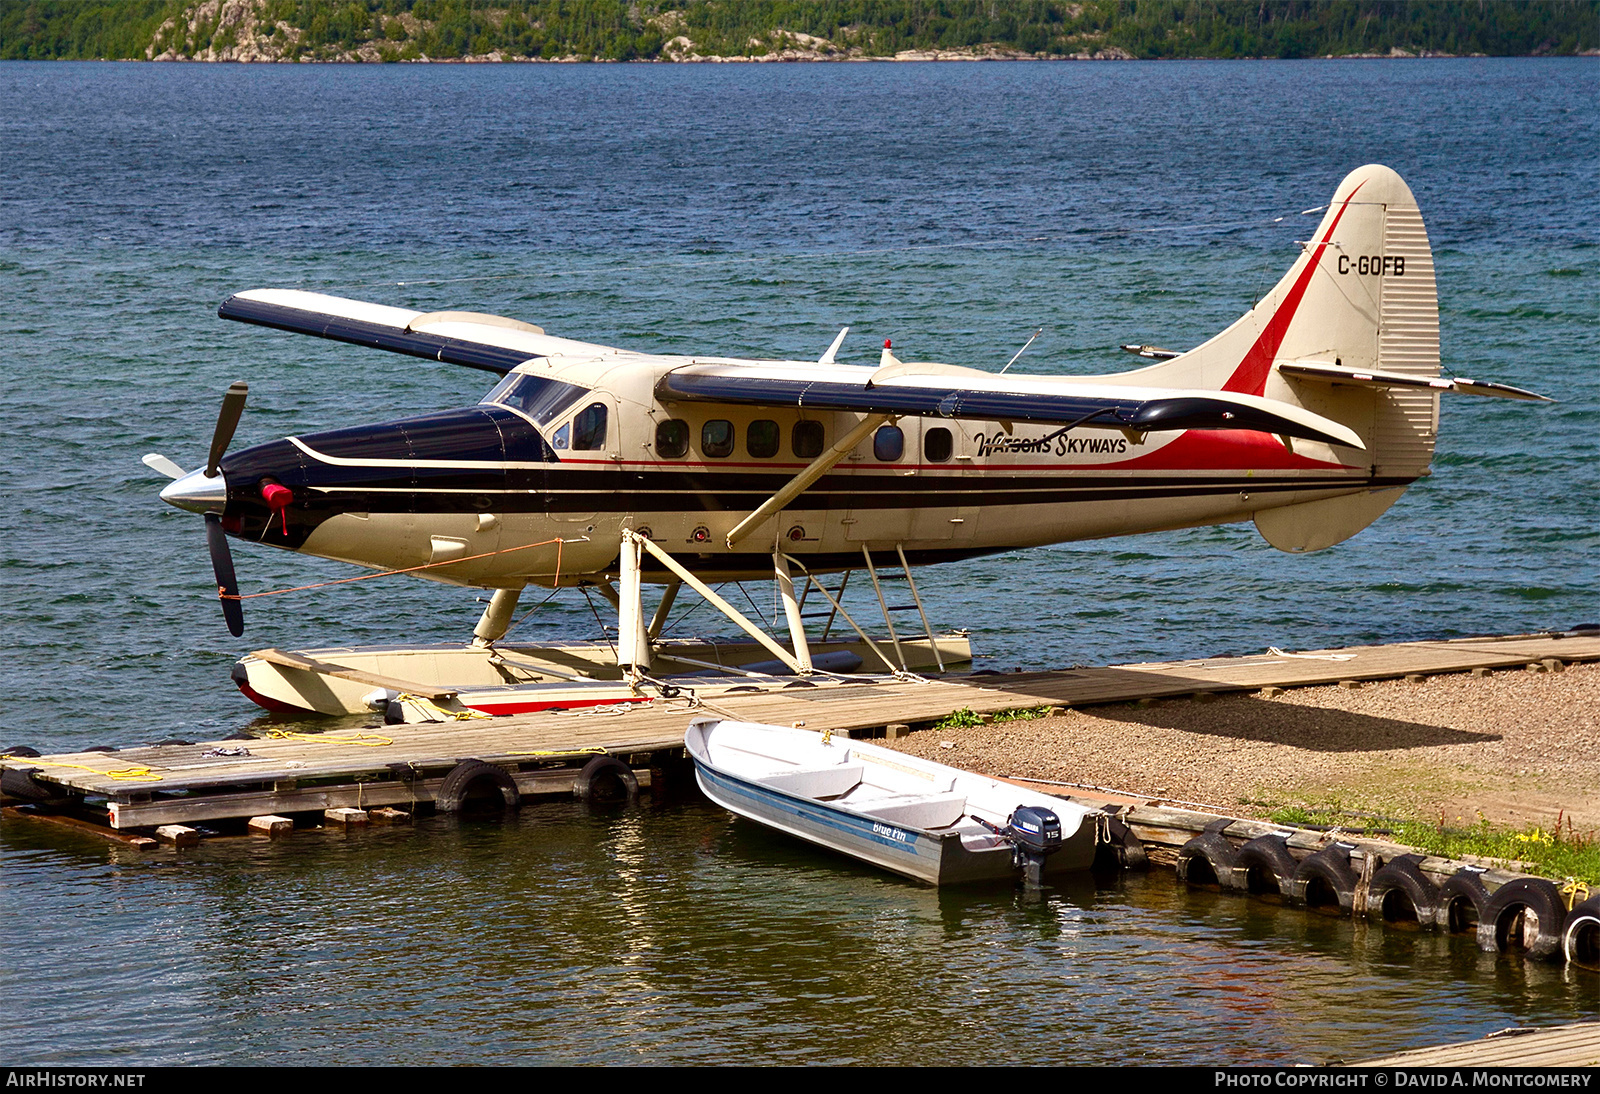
(612, 469)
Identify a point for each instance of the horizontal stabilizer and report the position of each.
(489, 342)
(1339, 374)
(978, 396)
(1153, 353)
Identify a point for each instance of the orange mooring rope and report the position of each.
(408, 570)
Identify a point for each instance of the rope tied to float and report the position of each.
(559, 542)
(365, 740)
(428, 706)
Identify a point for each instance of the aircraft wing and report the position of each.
(489, 342)
(949, 392)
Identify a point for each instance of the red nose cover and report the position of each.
(277, 496)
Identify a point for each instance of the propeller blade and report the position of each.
(227, 422)
(222, 566)
(157, 462)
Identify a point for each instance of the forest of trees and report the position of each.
(394, 30)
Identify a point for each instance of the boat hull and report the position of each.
(932, 857)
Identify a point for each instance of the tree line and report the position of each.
(396, 30)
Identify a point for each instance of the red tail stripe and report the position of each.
(1250, 378)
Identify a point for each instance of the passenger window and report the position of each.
(716, 438)
(563, 436)
(888, 444)
(762, 438)
(672, 439)
(807, 440)
(937, 444)
(589, 428)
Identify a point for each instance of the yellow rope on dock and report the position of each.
(365, 740)
(137, 773)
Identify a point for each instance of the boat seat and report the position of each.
(920, 811)
(815, 782)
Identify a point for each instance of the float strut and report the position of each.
(633, 641)
(791, 610)
(496, 618)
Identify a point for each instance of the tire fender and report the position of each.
(1399, 894)
(1207, 860)
(1525, 914)
(1324, 881)
(475, 780)
(18, 782)
(1265, 867)
(1580, 942)
(606, 779)
(1461, 901)
(1117, 848)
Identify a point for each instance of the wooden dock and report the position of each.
(1561, 1046)
(405, 765)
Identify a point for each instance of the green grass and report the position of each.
(1560, 853)
(1022, 714)
(966, 716)
(959, 719)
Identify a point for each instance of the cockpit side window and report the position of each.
(589, 428)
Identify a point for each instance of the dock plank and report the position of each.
(1563, 1046)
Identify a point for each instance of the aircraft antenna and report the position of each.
(1020, 352)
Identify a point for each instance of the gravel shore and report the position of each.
(1518, 748)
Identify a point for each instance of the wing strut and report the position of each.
(797, 485)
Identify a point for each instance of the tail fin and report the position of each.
(1360, 297)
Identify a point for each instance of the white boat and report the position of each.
(914, 817)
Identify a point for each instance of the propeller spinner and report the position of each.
(206, 492)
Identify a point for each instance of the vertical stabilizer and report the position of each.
(1360, 296)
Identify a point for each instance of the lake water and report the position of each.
(743, 210)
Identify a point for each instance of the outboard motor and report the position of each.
(1035, 835)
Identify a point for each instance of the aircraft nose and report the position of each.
(197, 492)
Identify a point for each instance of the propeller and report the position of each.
(207, 493)
(227, 422)
(227, 583)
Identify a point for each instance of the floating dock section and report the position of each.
(138, 790)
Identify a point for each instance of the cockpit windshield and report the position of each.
(538, 398)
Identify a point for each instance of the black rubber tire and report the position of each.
(1207, 861)
(102, 748)
(474, 783)
(1461, 901)
(1525, 915)
(1580, 941)
(606, 779)
(18, 782)
(1121, 849)
(1399, 895)
(1265, 868)
(19, 750)
(1324, 882)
